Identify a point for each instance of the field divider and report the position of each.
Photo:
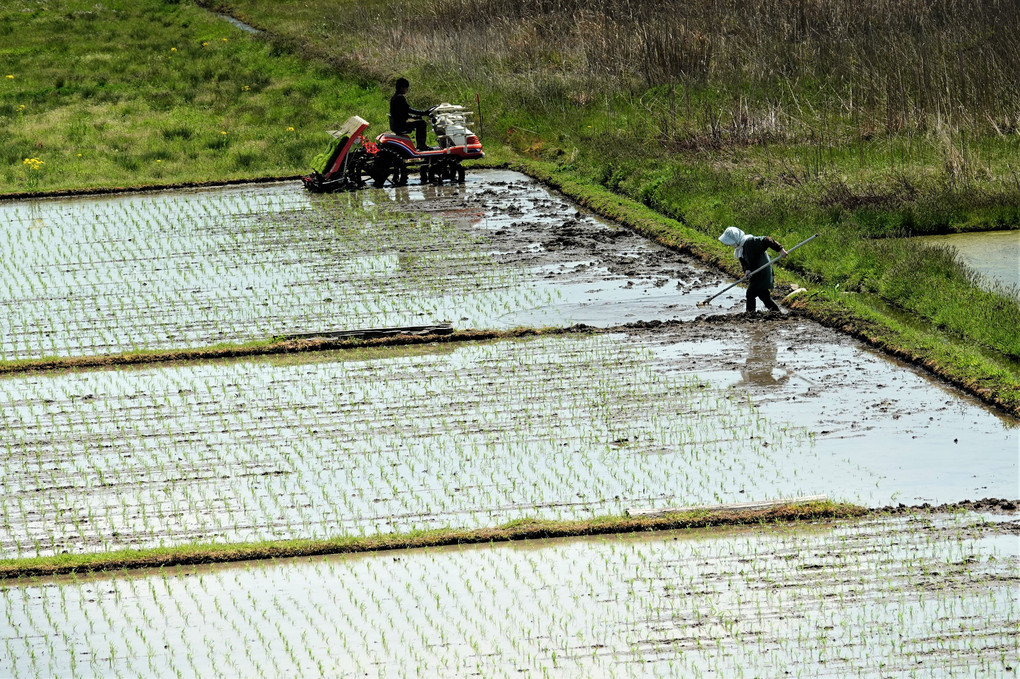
(310, 342)
(143, 188)
(344, 339)
(521, 529)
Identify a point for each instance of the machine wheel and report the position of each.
(460, 173)
(440, 171)
(388, 165)
(359, 167)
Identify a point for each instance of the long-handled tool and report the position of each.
(748, 275)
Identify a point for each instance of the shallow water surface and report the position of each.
(190, 268)
(479, 434)
(922, 596)
(993, 254)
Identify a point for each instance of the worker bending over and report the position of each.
(752, 253)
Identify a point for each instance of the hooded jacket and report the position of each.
(752, 252)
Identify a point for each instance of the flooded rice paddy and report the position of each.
(898, 597)
(479, 434)
(184, 269)
(318, 446)
(683, 412)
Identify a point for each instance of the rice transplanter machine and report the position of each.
(351, 161)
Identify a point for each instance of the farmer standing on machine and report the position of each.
(401, 111)
(752, 253)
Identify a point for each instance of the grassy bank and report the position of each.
(516, 530)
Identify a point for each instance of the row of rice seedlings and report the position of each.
(318, 446)
(187, 269)
(893, 597)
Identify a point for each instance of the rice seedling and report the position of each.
(191, 269)
(315, 446)
(888, 596)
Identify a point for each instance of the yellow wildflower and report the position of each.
(245, 88)
(173, 49)
(10, 77)
(290, 129)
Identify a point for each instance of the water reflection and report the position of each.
(759, 369)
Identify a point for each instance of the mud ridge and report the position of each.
(517, 530)
(988, 504)
(143, 188)
(313, 344)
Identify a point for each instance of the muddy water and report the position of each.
(918, 440)
(471, 435)
(181, 269)
(596, 272)
(476, 435)
(922, 596)
(995, 255)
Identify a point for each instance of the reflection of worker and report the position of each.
(752, 253)
(400, 113)
(761, 360)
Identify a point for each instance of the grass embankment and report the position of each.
(524, 529)
(784, 119)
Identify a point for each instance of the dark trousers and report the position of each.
(420, 129)
(763, 295)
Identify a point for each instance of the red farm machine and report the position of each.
(351, 161)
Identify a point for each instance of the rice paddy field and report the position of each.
(183, 269)
(692, 407)
(180, 270)
(920, 597)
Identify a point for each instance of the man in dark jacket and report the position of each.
(400, 113)
(752, 253)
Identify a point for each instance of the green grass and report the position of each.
(141, 93)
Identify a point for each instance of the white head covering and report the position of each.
(735, 237)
